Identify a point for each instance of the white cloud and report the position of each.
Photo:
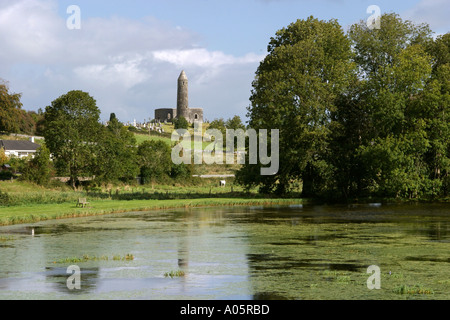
(433, 12)
(122, 70)
(27, 30)
(203, 58)
(129, 66)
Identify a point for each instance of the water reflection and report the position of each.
(183, 253)
(438, 231)
(57, 276)
(258, 262)
(291, 252)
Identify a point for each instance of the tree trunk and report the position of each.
(73, 183)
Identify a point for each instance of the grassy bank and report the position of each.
(29, 203)
(41, 212)
(22, 193)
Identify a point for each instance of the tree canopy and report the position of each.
(362, 113)
(294, 91)
(10, 109)
(155, 161)
(71, 132)
(180, 123)
(116, 153)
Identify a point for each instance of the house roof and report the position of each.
(21, 145)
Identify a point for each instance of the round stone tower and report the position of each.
(182, 96)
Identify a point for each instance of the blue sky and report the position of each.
(236, 26)
(128, 54)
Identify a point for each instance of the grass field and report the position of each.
(31, 203)
(140, 138)
(146, 137)
(168, 129)
(26, 193)
(40, 212)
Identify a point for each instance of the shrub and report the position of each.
(181, 123)
(181, 171)
(6, 175)
(39, 169)
(133, 129)
(4, 199)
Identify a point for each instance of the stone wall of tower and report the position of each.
(195, 114)
(165, 114)
(182, 96)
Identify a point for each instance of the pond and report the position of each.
(247, 253)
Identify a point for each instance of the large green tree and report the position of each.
(383, 127)
(361, 114)
(434, 103)
(116, 157)
(295, 89)
(154, 158)
(71, 132)
(10, 109)
(218, 124)
(235, 123)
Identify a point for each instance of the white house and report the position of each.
(19, 148)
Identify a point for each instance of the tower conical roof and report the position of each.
(182, 75)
